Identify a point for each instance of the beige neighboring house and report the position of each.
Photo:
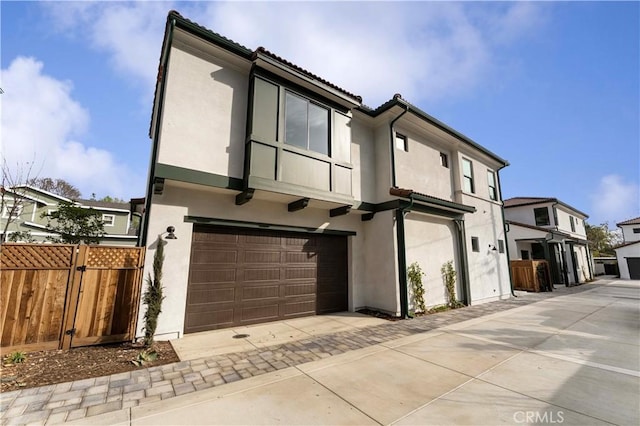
(628, 253)
(289, 197)
(545, 228)
(32, 203)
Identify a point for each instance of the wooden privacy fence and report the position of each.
(531, 275)
(59, 296)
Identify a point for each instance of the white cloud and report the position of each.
(615, 199)
(423, 50)
(41, 124)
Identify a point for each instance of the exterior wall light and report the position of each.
(170, 233)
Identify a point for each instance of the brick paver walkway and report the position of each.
(55, 404)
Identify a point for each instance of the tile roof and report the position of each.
(243, 51)
(238, 48)
(635, 221)
(630, 243)
(103, 204)
(306, 72)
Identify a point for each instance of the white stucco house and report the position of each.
(545, 228)
(628, 253)
(290, 197)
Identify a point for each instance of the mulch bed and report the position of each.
(56, 366)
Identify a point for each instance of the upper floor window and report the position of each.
(573, 223)
(493, 190)
(542, 216)
(501, 246)
(467, 171)
(636, 230)
(306, 124)
(402, 143)
(12, 211)
(108, 219)
(444, 160)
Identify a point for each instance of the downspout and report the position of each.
(464, 263)
(506, 230)
(142, 241)
(402, 249)
(393, 153)
(402, 260)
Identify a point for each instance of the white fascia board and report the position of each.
(42, 191)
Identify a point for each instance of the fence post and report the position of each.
(73, 295)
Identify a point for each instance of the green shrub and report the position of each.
(153, 295)
(414, 273)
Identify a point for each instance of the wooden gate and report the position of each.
(58, 296)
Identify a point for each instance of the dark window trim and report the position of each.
(286, 84)
(475, 244)
(444, 160)
(636, 230)
(309, 101)
(405, 142)
(539, 220)
(572, 221)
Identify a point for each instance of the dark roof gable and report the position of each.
(635, 221)
(528, 201)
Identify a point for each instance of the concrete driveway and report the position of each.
(572, 359)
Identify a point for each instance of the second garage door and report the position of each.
(634, 267)
(246, 276)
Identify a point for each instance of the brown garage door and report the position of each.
(246, 276)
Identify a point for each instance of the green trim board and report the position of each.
(261, 225)
(182, 174)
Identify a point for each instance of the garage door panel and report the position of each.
(261, 240)
(259, 257)
(260, 313)
(299, 307)
(242, 276)
(301, 289)
(209, 276)
(260, 292)
(214, 257)
(262, 274)
(297, 273)
(210, 320)
(217, 238)
(211, 295)
(300, 257)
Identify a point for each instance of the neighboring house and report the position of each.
(32, 203)
(628, 253)
(548, 229)
(290, 197)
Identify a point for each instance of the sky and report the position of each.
(553, 87)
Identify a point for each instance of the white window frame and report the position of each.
(113, 219)
(470, 179)
(493, 187)
(16, 214)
